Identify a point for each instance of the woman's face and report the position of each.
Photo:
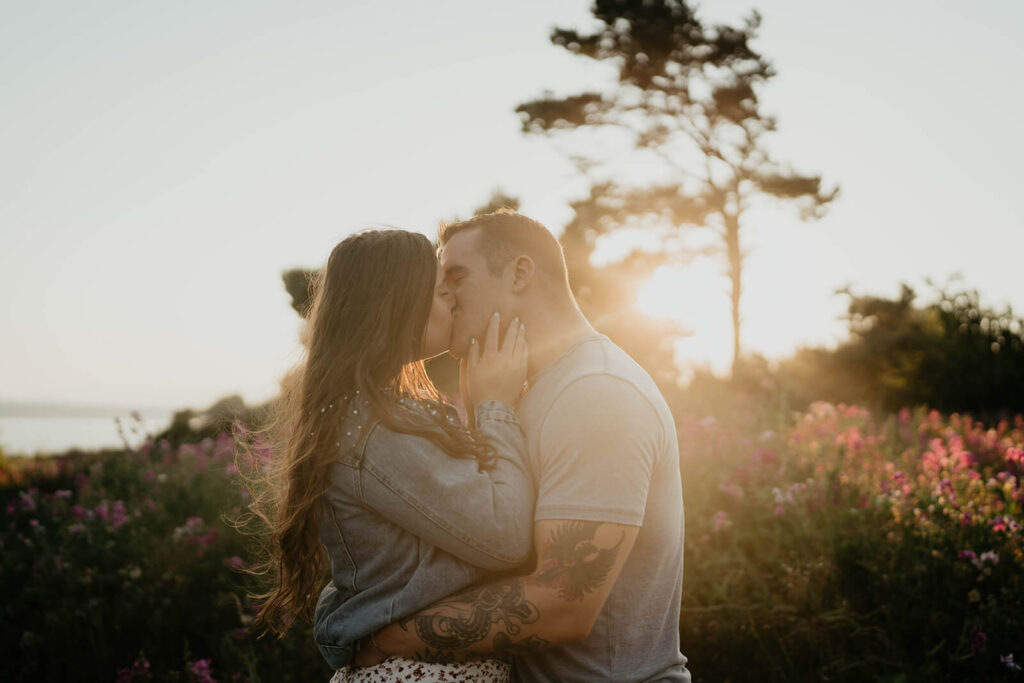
(438, 334)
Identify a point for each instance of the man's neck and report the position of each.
(550, 333)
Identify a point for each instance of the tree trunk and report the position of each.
(732, 242)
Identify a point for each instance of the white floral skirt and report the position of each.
(402, 669)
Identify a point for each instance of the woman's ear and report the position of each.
(523, 272)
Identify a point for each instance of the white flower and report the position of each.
(990, 556)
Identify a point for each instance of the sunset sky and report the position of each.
(162, 164)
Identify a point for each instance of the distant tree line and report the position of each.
(953, 354)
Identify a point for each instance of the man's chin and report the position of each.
(459, 350)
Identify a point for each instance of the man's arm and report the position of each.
(578, 563)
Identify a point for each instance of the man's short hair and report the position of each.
(506, 234)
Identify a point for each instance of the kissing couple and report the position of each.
(537, 535)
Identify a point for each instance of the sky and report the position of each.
(162, 163)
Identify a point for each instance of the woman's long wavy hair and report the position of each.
(370, 306)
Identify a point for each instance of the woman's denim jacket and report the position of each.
(405, 524)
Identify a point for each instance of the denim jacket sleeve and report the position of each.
(484, 517)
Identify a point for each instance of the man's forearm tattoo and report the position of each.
(478, 611)
(505, 645)
(572, 563)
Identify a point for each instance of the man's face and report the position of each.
(475, 292)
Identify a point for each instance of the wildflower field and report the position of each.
(829, 545)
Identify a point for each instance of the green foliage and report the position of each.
(127, 560)
(193, 426)
(953, 354)
(846, 548)
(298, 282)
(825, 545)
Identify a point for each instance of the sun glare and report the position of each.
(697, 297)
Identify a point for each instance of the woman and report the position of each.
(379, 482)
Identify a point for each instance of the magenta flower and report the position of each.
(201, 671)
(978, 639)
(119, 515)
(139, 672)
(721, 521)
(235, 563)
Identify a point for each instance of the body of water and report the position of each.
(32, 434)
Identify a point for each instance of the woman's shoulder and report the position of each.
(365, 427)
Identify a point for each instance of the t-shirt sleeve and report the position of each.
(598, 448)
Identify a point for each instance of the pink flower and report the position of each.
(201, 671)
(721, 521)
(148, 476)
(208, 539)
(119, 515)
(263, 449)
(978, 639)
(76, 528)
(223, 447)
(27, 501)
(139, 671)
(235, 563)
(731, 488)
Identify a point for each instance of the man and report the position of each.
(602, 602)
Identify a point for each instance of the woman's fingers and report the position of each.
(509, 343)
(491, 340)
(474, 353)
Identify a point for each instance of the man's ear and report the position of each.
(523, 272)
